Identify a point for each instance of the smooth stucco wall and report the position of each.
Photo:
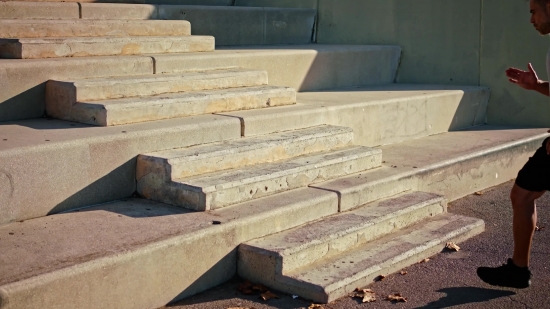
(468, 42)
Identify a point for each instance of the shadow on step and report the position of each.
(466, 295)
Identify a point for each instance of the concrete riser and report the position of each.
(23, 81)
(56, 48)
(187, 195)
(137, 280)
(91, 28)
(258, 266)
(154, 84)
(235, 154)
(151, 109)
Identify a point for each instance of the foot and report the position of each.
(507, 275)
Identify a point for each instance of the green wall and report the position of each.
(467, 42)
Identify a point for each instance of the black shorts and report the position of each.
(535, 174)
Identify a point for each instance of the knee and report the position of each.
(520, 200)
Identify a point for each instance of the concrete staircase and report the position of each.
(313, 193)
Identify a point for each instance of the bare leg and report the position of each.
(524, 220)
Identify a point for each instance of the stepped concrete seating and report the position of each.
(331, 257)
(124, 100)
(229, 173)
(111, 256)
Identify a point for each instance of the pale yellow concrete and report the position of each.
(118, 11)
(440, 38)
(111, 256)
(49, 166)
(23, 82)
(38, 28)
(38, 10)
(102, 46)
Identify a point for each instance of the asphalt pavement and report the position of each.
(448, 280)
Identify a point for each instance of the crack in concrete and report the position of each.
(519, 302)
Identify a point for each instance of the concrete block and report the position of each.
(245, 25)
(94, 89)
(19, 28)
(187, 162)
(324, 282)
(101, 46)
(278, 254)
(111, 256)
(304, 4)
(453, 164)
(303, 67)
(38, 10)
(184, 104)
(378, 114)
(69, 165)
(23, 82)
(224, 188)
(118, 11)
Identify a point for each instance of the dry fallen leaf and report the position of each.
(539, 228)
(404, 272)
(396, 297)
(315, 306)
(452, 246)
(367, 295)
(424, 261)
(478, 193)
(268, 295)
(380, 278)
(246, 288)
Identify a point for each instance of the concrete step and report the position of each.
(224, 188)
(303, 67)
(37, 28)
(232, 25)
(337, 276)
(165, 106)
(38, 10)
(187, 162)
(108, 256)
(380, 114)
(35, 48)
(63, 94)
(266, 259)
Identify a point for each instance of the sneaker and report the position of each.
(507, 275)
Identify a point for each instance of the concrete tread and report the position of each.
(251, 174)
(104, 40)
(344, 223)
(44, 28)
(339, 275)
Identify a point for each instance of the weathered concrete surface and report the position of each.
(224, 188)
(439, 48)
(202, 159)
(48, 166)
(37, 28)
(101, 46)
(305, 4)
(304, 67)
(118, 11)
(245, 25)
(378, 115)
(150, 108)
(94, 89)
(23, 82)
(337, 276)
(111, 256)
(452, 164)
(38, 10)
(266, 259)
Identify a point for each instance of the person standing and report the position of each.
(533, 179)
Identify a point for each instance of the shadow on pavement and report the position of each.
(466, 295)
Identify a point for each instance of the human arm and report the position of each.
(528, 80)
